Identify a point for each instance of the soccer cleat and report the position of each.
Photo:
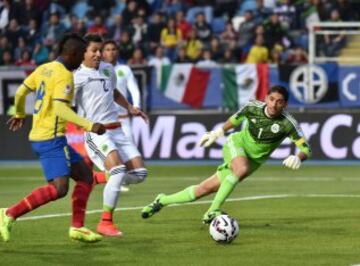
(152, 208)
(108, 229)
(6, 223)
(209, 216)
(83, 234)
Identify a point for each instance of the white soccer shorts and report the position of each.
(99, 146)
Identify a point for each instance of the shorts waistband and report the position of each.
(114, 125)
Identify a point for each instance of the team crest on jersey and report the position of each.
(104, 147)
(120, 73)
(275, 128)
(106, 72)
(67, 90)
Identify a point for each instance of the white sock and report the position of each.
(112, 187)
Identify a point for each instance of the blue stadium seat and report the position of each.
(218, 25)
(247, 5)
(80, 9)
(192, 12)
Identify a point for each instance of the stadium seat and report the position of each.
(218, 25)
(192, 12)
(80, 9)
(247, 5)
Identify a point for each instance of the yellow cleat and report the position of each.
(83, 234)
(6, 223)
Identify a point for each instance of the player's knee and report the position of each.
(240, 171)
(137, 175)
(62, 189)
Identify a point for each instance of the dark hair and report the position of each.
(106, 42)
(93, 37)
(70, 43)
(280, 89)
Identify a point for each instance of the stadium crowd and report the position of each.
(162, 31)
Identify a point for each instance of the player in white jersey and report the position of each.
(97, 99)
(126, 83)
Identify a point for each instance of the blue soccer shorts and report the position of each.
(56, 157)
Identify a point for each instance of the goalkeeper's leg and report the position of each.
(188, 194)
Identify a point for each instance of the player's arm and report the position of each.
(120, 100)
(62, 99)
(234, 121)
(17, 121)
(297, 137)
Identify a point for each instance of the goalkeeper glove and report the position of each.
(209, 137)
(293, 162)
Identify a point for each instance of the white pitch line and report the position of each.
(250, 198)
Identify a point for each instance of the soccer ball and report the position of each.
(224, 229)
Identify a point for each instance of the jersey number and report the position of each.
(260, 132)
(40, 93)
(104, 85)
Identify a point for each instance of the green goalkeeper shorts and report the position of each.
(232, 150)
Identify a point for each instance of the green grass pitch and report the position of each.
(305, 217)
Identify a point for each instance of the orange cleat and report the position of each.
(108, 229)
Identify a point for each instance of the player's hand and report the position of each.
(98, 128)
(15, 123)
(209, 137)
(137, 112)
(293, 162)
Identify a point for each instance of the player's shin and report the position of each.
(80, 198)
(35, 199)
(112, 191)
(225, 189)
(186, 195)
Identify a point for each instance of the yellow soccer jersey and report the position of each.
(50, 81)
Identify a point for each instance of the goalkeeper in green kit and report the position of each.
(267, 124)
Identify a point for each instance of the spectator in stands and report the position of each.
(102, 7)
(181, 56)
(275, 57)
(216, 48)
(159, 59)
(297, 56)
(54, 30)
(14, 32)
(274, 32)
(33, 34)
(246, 31)
(29, 12)
(126, 47)
(259, 53)
(138, 30)
(25, 59)
(193, 46)
(137, 58)
(20, 48)
(334, 42)
(77, 25)
(286, 12)
(40, 54)
(98, 27)
(203, 29)
(116, 29)
(183, 25)
(229, 34)
(130, 12)
(235, 50)
(154, 30)
(9, 10)
(261, 12)
(226, 8)
(346, 11)
(206, 59)
(228, 57)
(7, 59)
(171, 38)
(52, 56)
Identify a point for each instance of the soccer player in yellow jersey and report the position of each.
(53, 85)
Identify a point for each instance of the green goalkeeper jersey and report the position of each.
(261, 135)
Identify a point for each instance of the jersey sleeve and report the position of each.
(30, 81)
(133, 89)
(237, 118)
(297, 136)
(64, 88)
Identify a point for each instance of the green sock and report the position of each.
(225, 189)
(186, 195)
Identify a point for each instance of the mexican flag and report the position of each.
(243, 83)
(184, 83)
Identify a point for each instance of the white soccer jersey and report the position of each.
(127, 82)
(94, 93)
